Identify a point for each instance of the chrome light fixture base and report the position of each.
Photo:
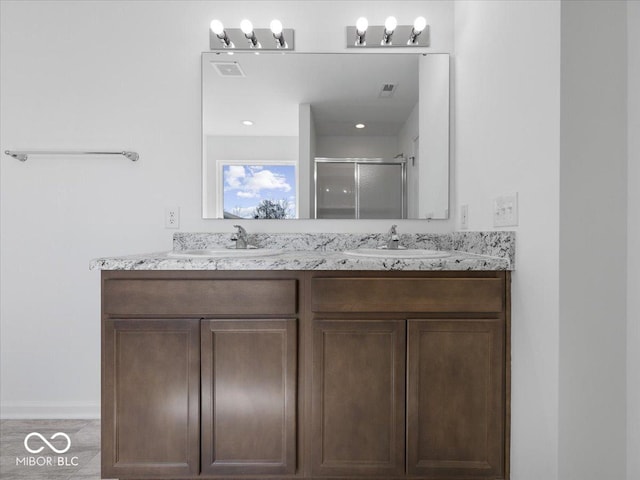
(400, 38)
(266, 42)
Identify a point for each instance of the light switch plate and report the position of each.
(505, 211)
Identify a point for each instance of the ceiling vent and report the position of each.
(388, 89)
(228, 69)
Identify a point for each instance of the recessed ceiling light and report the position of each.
(247, 123)
(360, 125)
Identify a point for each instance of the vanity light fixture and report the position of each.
(248, 38)
(218, 30)
(419, 25)
(276, 29)
(247, 28)
(417, 35)
(361, 30)
(390, 25)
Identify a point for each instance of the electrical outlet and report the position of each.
(464, 217)
(172, 217)
(505, 211)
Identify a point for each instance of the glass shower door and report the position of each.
(335, 190)
(380, 190)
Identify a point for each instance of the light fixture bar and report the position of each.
(264, 37)
(402, 36)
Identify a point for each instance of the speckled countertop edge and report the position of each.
(298, 261)
(324, 252)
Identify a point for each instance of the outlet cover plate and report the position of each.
(464, 217)
(172, 217)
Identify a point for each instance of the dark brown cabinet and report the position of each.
(456, 383)
(358, 397)
(248, 396)
(455, 398)
(308, 375)
(199, 374)
(150, 388)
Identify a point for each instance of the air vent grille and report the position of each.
(228, 69)
(388, 89)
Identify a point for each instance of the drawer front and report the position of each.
(199, 297)
(378, 294)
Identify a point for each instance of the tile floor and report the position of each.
(85, 445)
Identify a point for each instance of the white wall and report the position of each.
(406, 136)
(593, 241)
(124, 75)
(434, 137)
(306, 154)
(633, 242)
(507, 91)
(365, 146)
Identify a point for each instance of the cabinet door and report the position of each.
(249, 396)
(150, 391)
(455, 418)
(358, 397)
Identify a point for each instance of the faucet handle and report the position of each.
(394, 239)
(241, 229)
(240, 237)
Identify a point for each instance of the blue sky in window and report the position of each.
(247, 185)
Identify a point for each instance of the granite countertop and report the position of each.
(468, 251)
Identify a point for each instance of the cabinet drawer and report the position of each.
(377, 294)
(196, 297)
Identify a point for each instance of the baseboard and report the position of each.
(44, 410)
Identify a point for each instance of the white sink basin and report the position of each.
(226, 253)
(400, 253)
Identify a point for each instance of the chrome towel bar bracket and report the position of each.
(23, 155)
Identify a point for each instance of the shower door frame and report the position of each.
(358, 161)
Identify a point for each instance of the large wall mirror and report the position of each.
(325, 135)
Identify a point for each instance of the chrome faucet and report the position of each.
(240, 237)
(394, 238)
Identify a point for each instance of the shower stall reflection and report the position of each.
(360, 188)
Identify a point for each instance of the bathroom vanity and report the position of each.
(359, 371)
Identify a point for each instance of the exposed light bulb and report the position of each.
(362, 24)
(390, 24)
(276, 27)
(419, 24)
(217, 27)
(246, 26)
